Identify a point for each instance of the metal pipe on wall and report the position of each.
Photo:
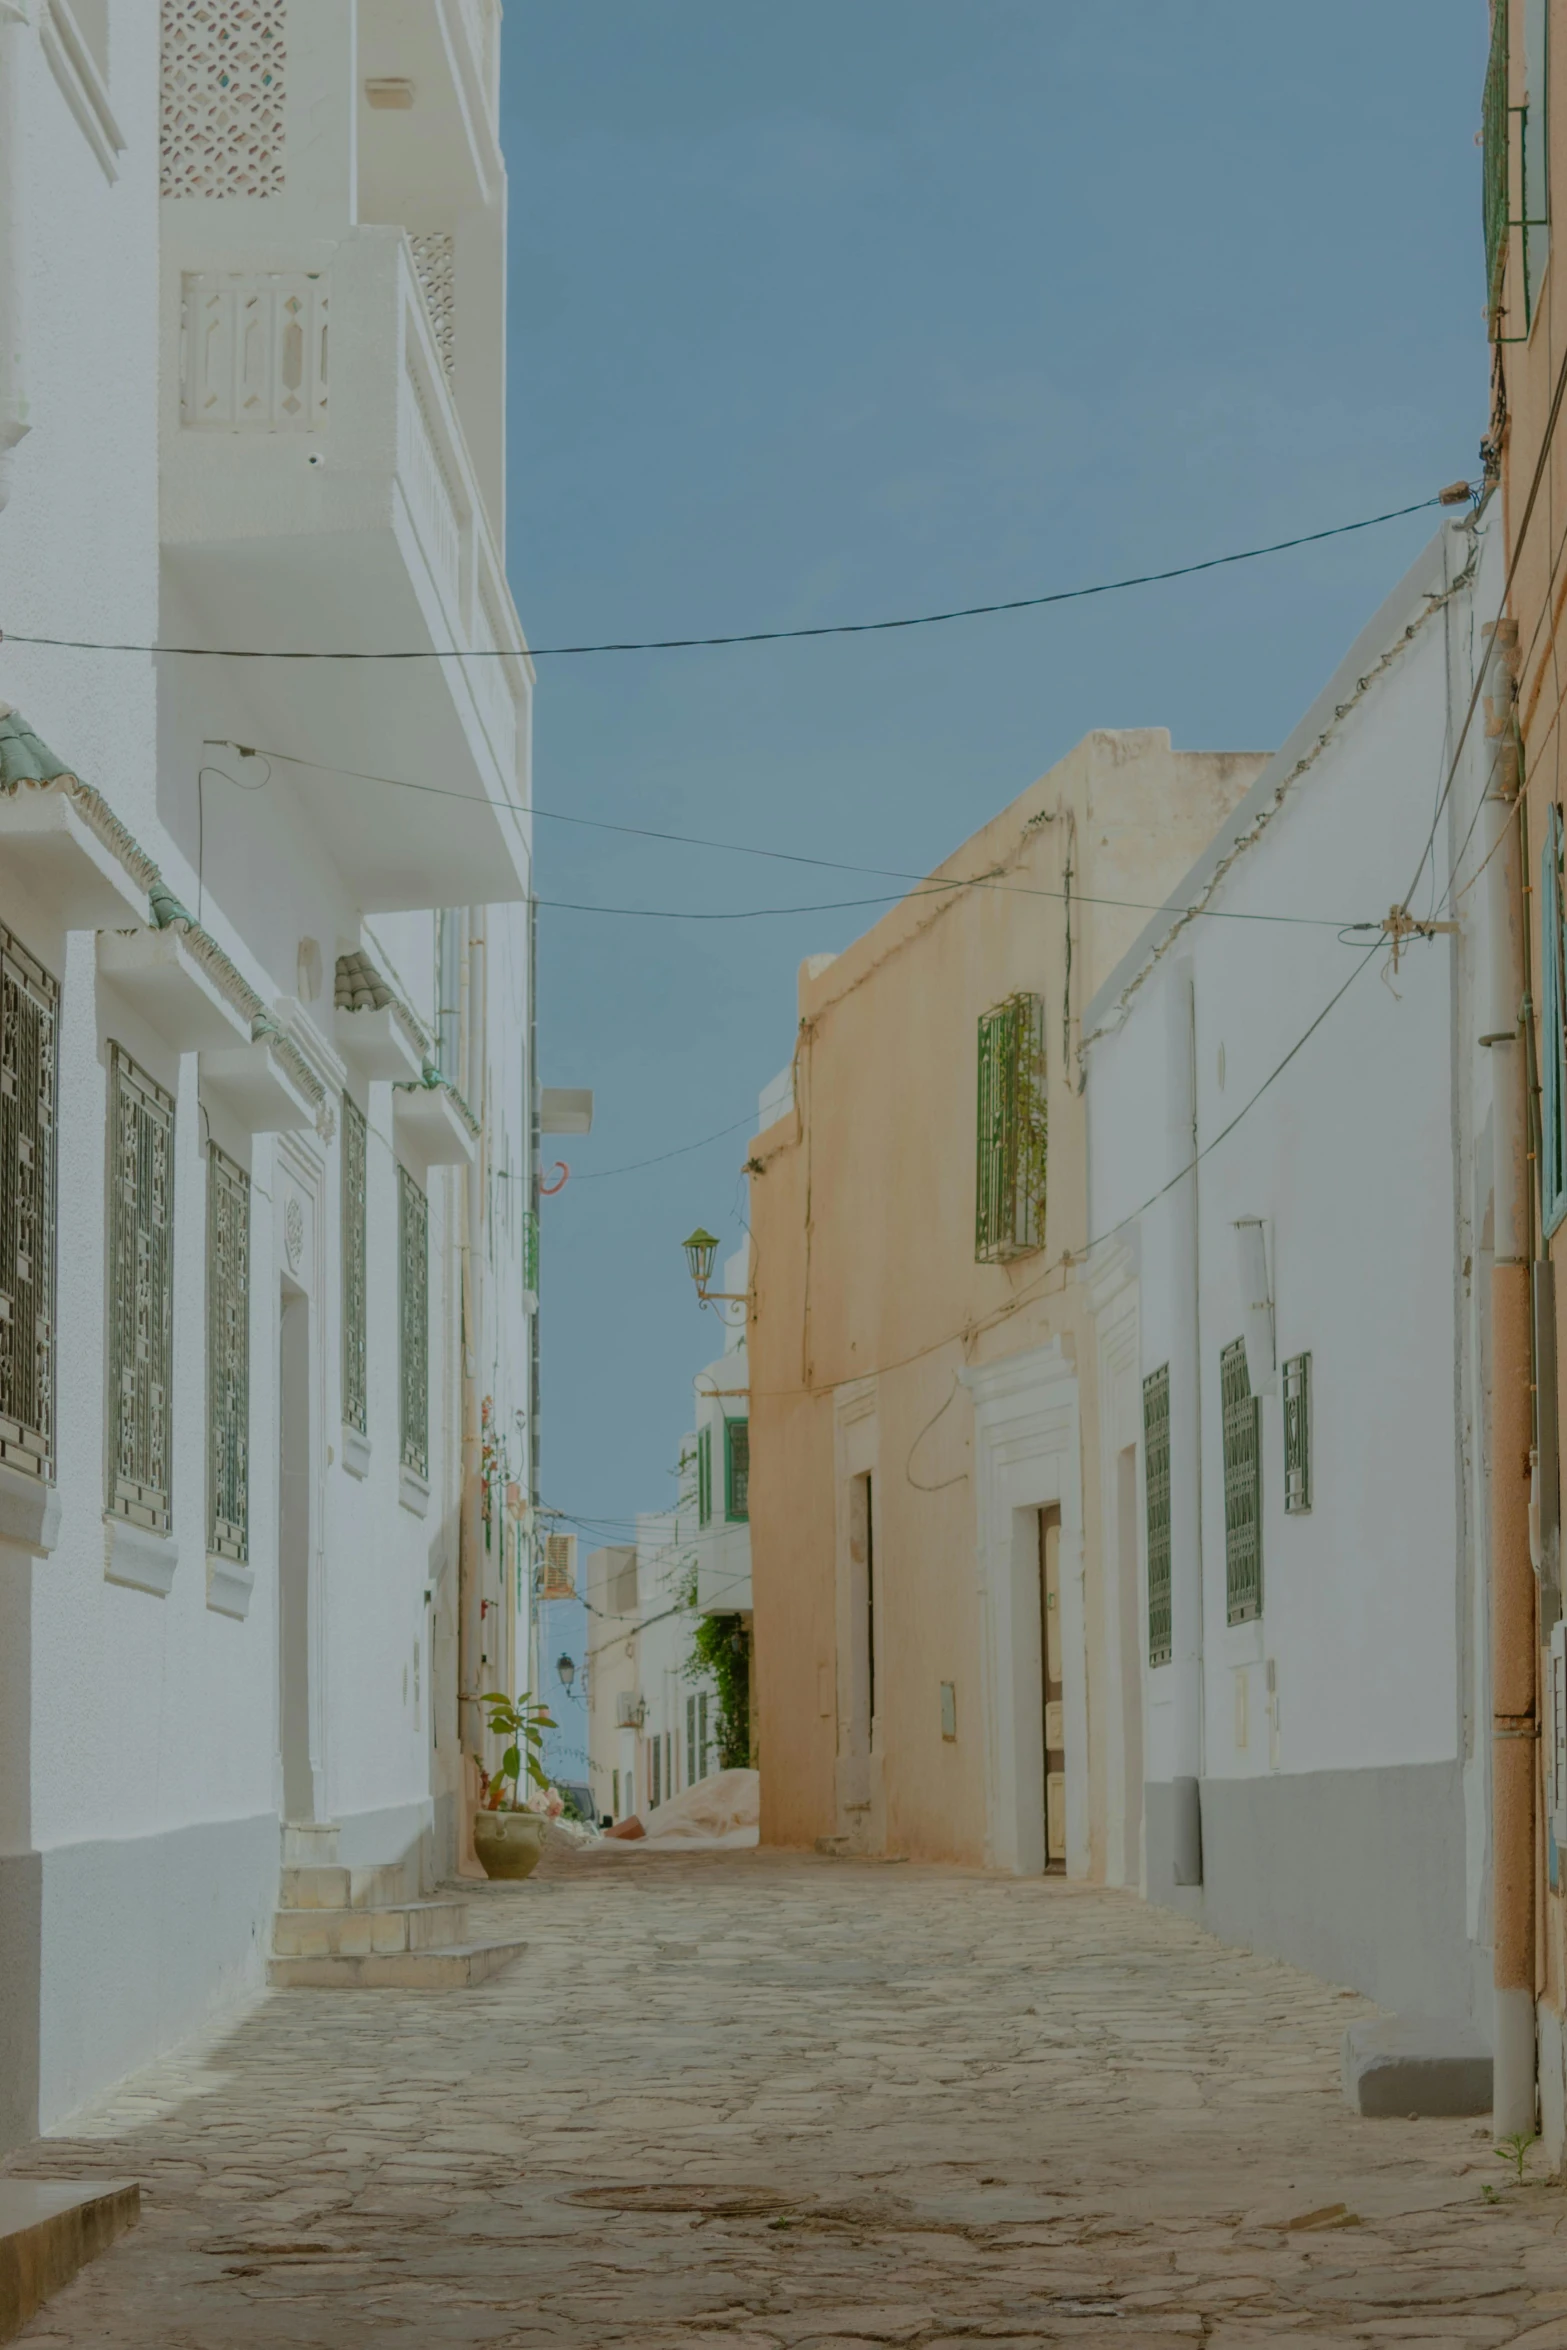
(1514, 1718)
(1186, 1597)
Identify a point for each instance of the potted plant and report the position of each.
(508, 1836)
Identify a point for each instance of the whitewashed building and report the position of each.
(1290, 1287)
(657, 1722)
(267, 1142)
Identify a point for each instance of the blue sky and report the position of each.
(843, 310)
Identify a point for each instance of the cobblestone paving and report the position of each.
(772, 2102)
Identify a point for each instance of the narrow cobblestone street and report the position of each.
(757, 2100)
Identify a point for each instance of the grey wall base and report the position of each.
(1401, 2065)
(1358, 1876)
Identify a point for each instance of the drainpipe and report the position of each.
(14, 418)
(1186, 1645)
(1514, 1722)
(470, 1523)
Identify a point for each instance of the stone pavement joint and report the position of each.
(772, 2101)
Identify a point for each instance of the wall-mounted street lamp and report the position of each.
(700, 1250)
(567, 1671)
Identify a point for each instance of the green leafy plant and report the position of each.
(1490, 2193)
(1516, 2151)
(721, 1645)
(523, 1723)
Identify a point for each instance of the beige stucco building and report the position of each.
(938, 1459)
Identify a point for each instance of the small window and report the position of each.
(692, 1773)
(29, 1014)
(1297, 1435)
(356, 1410)
(1242, 1487)
(737, 1471)
(704, 1477)
(141, 1295)
(413, 1233)
(1012, 1131)
(1156, 1490)
(228, 1358)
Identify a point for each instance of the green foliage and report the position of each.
(524, 1724)
(1516, 2151)
(721, 1645)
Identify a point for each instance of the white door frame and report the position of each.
(1026, 1458)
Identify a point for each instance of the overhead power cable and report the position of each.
(1456, 494)
(930, 886)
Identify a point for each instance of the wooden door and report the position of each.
(1050, 1653)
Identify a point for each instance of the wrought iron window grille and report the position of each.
(1297, 1436)
(356, 1398)
(704, 1477)
(1012, 1131)
(737, 1471)
(228, 1358)
(1156, 1499)
(1241, 1412)
(141, 1295)
(413, 1253)
(29, 1020)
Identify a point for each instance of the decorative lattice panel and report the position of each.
(356, 1409)
(413, 1235)
(221, 128)
(254, 350)
(228, 1358)
(29, 1011)
(141, 1294)
(437, 279)
(1156, 1489)
(1242, 1487)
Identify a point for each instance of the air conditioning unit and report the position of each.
(630, 1711)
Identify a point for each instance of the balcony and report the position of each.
(318, 494)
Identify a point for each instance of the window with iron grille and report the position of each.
(1297, 1435)
(1553, 1029)
(356, 1400)
(29, 1013)
(1514, 170)
(1242, 1487)
(530, 1250)
(141, 1294)
(413, 1256)
(1495, 123)
(1012, 1131)
(737, 1471)
(228, 1358)
(1156, 1492)
(704, 1477)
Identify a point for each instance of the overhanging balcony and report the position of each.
(318, 495)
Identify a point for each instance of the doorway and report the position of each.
(299, 1792)
(1052, 1691)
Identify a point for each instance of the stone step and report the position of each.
(396, 1970)
(355, 1933)
(49, 2228)
(320, 1886)
(309, 1841)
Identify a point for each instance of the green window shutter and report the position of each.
(413, 1256)
(356, 1411)
(704, 1476)
(737, 1471)
(228, 1358)
(29, 1014)
(1156, 1490)
(1242, 1487)
(1496, 194)
(141, 1294)
(1012, 1130)
(1297, 1435)
(1553, 1031)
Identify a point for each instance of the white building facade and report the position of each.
(1290, 1288)
(269, 1132)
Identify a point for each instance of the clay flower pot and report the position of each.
(509, 1843)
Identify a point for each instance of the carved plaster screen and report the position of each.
(1242, 1487)
(433, 261)
(255, 350)
(221, 127)
(29, 1012)
(1156, 1489)
(228, 1358)
(355, 1399)
(413, 1235)
(141, 1294)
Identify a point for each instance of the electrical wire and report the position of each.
(753, 636)
(601, 1174)
(743, 849)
